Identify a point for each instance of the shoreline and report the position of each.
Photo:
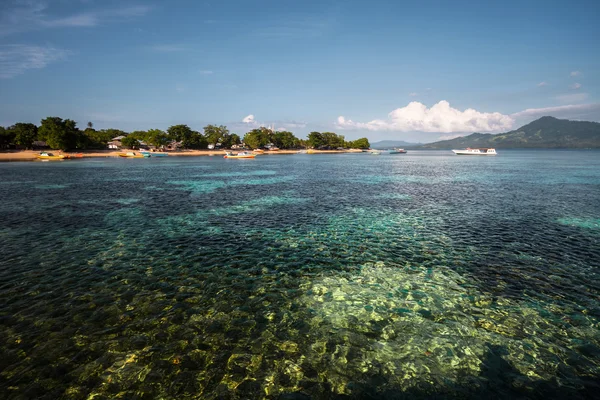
(29, 155)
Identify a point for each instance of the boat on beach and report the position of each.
(242, 154)
(154, 154)
(131, 154)
(50, 156)
(484, 151)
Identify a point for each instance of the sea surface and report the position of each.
(302, 276)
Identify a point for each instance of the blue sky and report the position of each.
(417, 71)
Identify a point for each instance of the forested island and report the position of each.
(63, 134)
(544, 133)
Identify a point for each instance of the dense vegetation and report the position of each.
(546, 132)
(64, 135)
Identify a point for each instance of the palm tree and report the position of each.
(90, 125)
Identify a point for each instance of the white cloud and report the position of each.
(575, 73)
(15, 59)
(180, 88)
(27, 15)
(575, 86)
(74, 20)
(542, 84)
(572, 98)
(250, 121)
(413, 94)
(206, 72)
(439, 118)
(566, 111)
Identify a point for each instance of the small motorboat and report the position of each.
(476, 152)
(397, 151)
(242, 154)
(131, 154)
(50, 156)
(375, 152)
(154, 154)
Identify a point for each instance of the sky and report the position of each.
(388, 70)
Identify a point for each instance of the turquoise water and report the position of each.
(302, 276)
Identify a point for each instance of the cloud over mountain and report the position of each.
(440, 117)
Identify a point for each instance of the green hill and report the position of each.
(546, 132)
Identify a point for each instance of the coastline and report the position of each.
(29, 155)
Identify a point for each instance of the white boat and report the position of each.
(375, 152)
(475, 152)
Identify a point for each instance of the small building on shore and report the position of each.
(115, 143)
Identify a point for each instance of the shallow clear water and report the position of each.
(301, 276)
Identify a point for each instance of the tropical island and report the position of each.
(543, 133)
(21, 139)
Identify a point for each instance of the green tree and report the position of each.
(285, 140)
(130, 142)
(362, 143)
(7, 137)
(195, 141)
(90, 125)
(229, 140)
(315, 140)
(332, 140)
(60, 134)
(234, 138)
(215, 134)
(139, 135)
(258, 138)
(24, 134)
(157, 138)
(179, 132)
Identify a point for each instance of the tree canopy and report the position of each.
(157, 138)
(24, 134)
(64, 135)
(130, 142)
(60, 134)
(285, 140)
(362, 143)
(189, 138)
(216, 134)
(7, 137)
(258, 137)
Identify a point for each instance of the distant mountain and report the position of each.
(546, 132)
(390, 144)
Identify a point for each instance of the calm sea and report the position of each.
(302, 276)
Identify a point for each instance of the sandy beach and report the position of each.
(20, 155)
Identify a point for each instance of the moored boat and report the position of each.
(483, 151)
(375, 152)
(397, 151)
(131, 154)
(50, 156)
(154, 154)
(242, 154)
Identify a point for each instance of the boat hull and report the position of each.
(467, 153)
(248, 156)
(131, 156)
(51, 157)
(150, 154)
